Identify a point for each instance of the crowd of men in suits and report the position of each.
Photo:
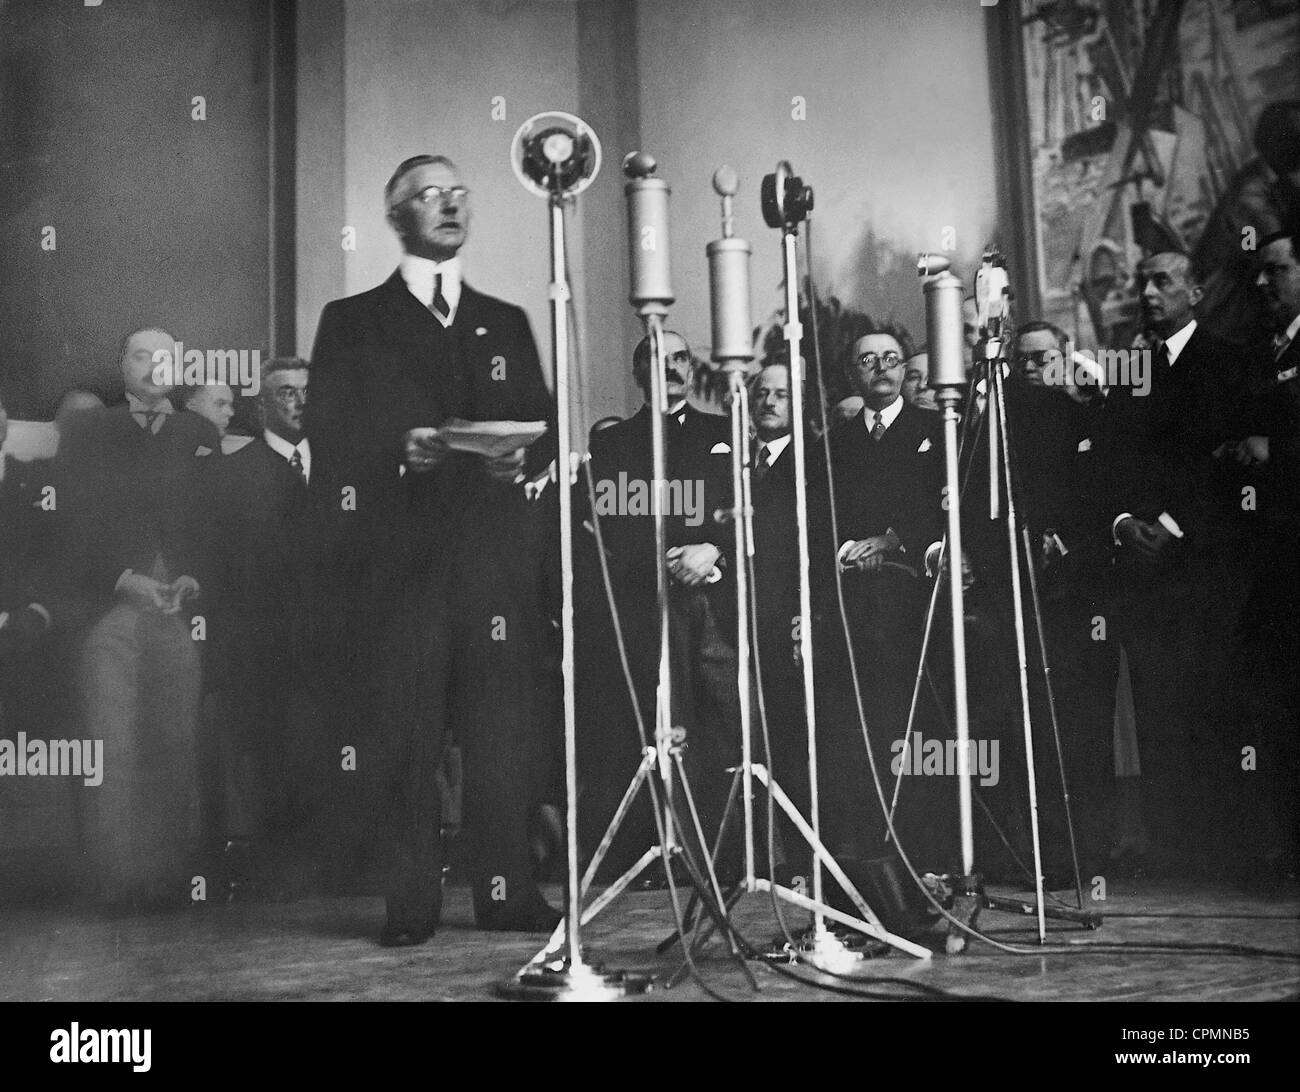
(289, 629)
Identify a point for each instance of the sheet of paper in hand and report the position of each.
(490, 438)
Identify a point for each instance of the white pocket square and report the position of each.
(1085, 444)
(720, 449)
(480, 331)
(925, 446)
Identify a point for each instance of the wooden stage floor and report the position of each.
(323, 949)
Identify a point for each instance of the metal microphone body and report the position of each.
(729, 296)
(991, 290)
(943, 331)
(647, 231)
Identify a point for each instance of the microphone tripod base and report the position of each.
(968, 900)
(826, 949)
(562, 980)
(964, 897)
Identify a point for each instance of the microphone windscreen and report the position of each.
(638, 164)
(726, 183)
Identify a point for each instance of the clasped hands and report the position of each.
(423, 450)
(1252, 451)
(150, 594)
(867, 555)
(1145, 539)
(691, 565)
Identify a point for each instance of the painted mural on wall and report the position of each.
(1156, 125)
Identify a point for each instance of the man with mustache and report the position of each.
(916, 381)
(262, 679)
(442, 554)
(888, 467)
(701, 598)
(777, 628)
(130, 504)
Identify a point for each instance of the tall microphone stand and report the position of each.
(559, 972)
(943, 321)
(729, 281)
(661, 770)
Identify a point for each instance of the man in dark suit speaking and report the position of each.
(441, 553)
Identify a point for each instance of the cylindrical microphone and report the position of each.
(729, 282)
(943, 331)
(647, 230)
(991, 291)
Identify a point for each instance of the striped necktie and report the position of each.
(440, 306)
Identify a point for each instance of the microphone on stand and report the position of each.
(729, 282)
(992, 293)
(554, 154)
(647, 232)
(929, 264)
(943, 322)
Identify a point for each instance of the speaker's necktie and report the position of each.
(1280, 345)
(878, 429)
(439, 306)
(761, 464)
(295, 461)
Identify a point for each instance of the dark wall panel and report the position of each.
(159, 218)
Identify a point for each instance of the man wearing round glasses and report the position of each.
(439, 556)
(888, 470)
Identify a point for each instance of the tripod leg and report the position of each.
(823, 855)
(916, 691)
(688, 919)
(712, 874)
(1051, 709)
(997, 405)
(648, 758)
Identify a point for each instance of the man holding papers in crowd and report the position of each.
(441, 554)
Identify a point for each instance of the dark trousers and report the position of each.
(501, 687)
(1179, 621)
(459, 646)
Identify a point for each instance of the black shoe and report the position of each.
(403, 936)
(535, 916)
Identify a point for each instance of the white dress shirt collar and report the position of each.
(1177, 341)
(888, 415)
(775, 447)
(285, 450)
(1292, 331)
(419, 274)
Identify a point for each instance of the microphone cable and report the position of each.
(1208, 948)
